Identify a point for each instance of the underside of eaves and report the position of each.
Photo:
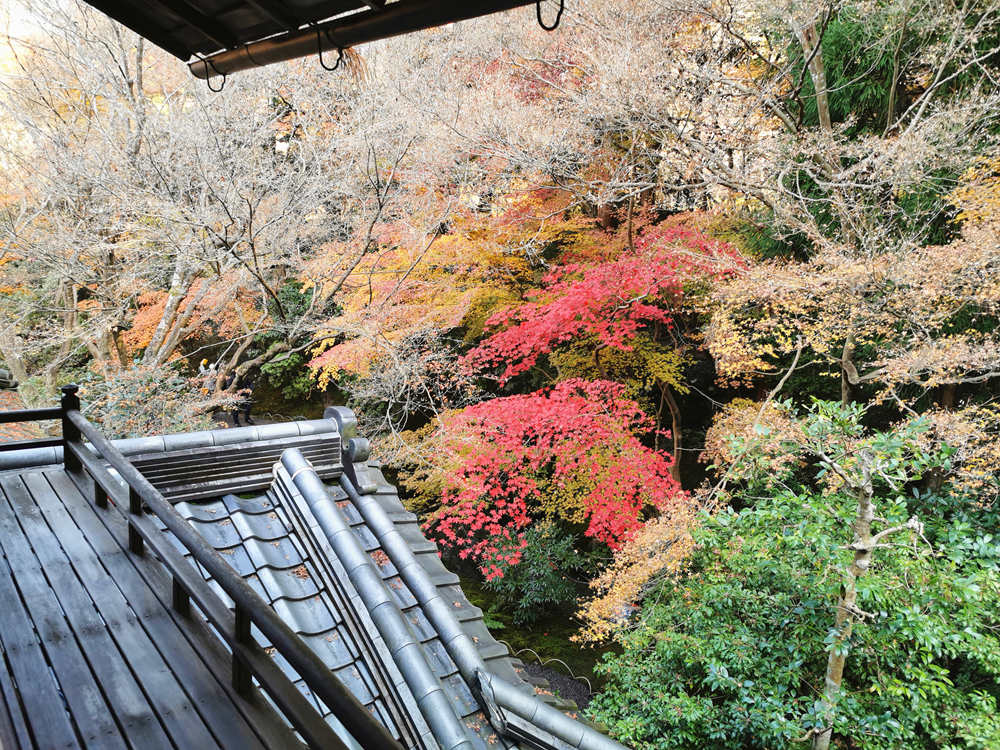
(218, 37)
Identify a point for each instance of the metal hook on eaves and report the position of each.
(319, 49)
(208, 79)
(555, 24)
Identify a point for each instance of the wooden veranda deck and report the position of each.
(94, 655)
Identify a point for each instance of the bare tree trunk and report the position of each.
(812, 49)
(631, 206)
(863, 544)
(667, 397)
(846, 365)
(179, 286)
(179, 329)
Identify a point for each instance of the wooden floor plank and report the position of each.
(255, 708)
(173, 708)
(47, 717)
(209, 696)
(34, 572)
(135, 717)
(14, 734)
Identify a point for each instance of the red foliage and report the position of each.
(611, 301)
(569, 454)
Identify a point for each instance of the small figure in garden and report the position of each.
(246, 400)
(211, 375)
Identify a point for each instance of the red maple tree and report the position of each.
(568, 454)
(608, 302)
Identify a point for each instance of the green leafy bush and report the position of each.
(542, 577)
(735, 653)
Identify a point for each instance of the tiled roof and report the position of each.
(273, 541)
(267, 546)
(11, 401)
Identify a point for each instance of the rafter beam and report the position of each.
(188, 12)
(402, 17)
(282, 15)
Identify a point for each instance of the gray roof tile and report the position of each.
(311, 616)
(437, 655)
(336, 648)
(210, 511)
(352, 678)
(421, 626)
(264, 526)
(220, 534)
(400, 593)
(292, 583)
(366, 537)
(280, 553)
(239, 559)
(350, 512)
(258, 504)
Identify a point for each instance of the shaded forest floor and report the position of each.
(549, 638)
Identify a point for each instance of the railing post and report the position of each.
(135, 508)
(100, 496)
(182, 601)
(71, 433)
(242, 677)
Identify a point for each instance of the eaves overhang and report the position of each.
(219, 37)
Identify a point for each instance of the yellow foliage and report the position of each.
(659, 549)
(974, 433)
(759, 435)
(979, 195)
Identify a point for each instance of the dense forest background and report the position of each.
(695, 301)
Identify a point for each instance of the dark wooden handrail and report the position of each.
(30, 415)
(248, 657)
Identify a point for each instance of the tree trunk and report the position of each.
(605, 215)
(844, 620)
(667, 397)
(601, 372)
(948, 396)
(179, 329)
(631, 207)
(847, 363)
(812, 50)
(179, 286)
(123, 359)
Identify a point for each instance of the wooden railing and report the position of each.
(30, 415)
(249, 659)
